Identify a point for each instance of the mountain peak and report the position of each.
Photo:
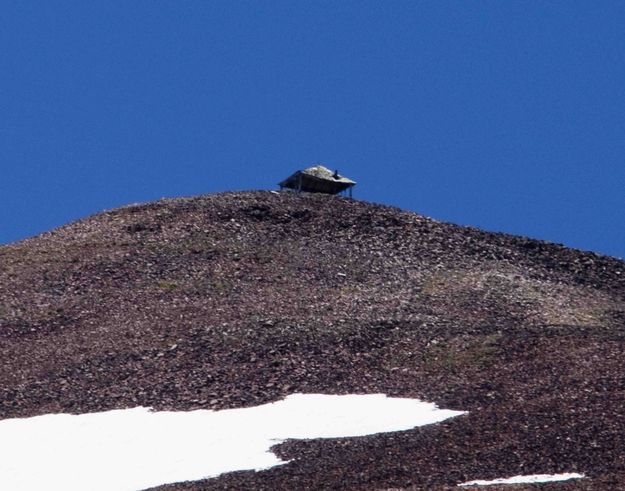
(237, 299)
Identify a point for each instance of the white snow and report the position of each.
(134, 449)
(528, 479)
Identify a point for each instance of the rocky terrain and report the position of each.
(238, 299)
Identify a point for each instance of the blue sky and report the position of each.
(505, 115)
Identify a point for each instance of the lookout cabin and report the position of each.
(318, 179)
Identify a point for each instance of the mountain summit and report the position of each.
(238, 299)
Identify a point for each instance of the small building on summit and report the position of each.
(318, 179)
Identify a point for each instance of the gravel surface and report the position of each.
(237, 299)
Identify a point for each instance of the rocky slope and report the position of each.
(237, 299)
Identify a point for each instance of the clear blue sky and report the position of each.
(505, 115)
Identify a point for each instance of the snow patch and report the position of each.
(529, 479)
(133, 449)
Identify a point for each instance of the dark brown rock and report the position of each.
(238, 299)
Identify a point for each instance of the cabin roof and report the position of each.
(317, 179)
